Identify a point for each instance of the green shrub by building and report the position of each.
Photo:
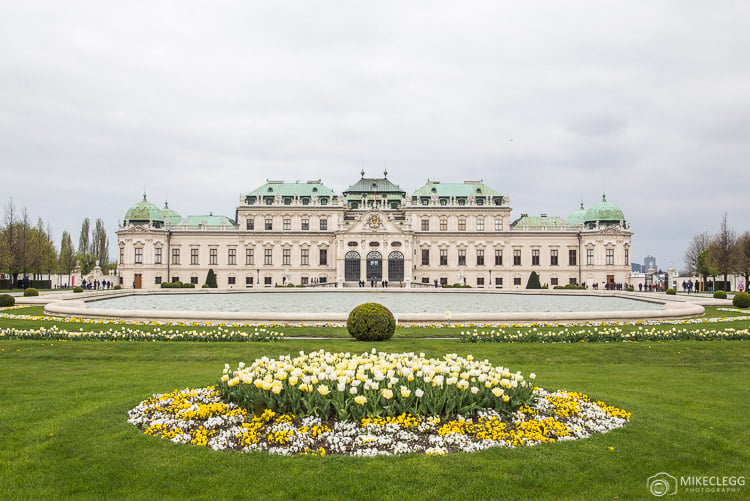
(30, 292)
(117, 287)
(671, 292)
(533, 282)
(7, 300)
(211, 279)
(77, 288)
(720, 295)
(371, 322)
(741, 300)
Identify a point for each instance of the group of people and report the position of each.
(374, 283)
(96, 285)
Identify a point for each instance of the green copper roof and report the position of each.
(578, 217)
(170, 216)
(209, 220)
(538, 222)
(465, 189)
(308, 189)
(604, 212)
(374, 184)
(144, 211)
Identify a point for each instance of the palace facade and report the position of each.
(307, 234)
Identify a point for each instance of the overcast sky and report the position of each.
(551, 102)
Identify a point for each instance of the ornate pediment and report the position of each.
(375, 222)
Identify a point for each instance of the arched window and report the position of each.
(374, 266)
(351, 266)
(395, 267)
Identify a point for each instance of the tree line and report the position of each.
(28, 250)
(719, 254)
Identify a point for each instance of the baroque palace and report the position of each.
(307, 234)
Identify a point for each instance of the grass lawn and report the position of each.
(64, 434)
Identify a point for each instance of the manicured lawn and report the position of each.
(63, 429)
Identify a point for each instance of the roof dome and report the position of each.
(604, 212)
(170, 216)
(578, 217)
(144, 212)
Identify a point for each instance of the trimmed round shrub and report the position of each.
(117, 287)
(671, 292)
(741, 300)
(77, 289)
(7, 300)
(720, 295)
(371, 322)
(30, 292)
(630, 289)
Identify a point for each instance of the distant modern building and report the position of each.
(636, 268)
(374, 231)
(649, 263)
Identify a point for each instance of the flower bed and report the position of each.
(343, 385)
(602, 334)
(371, 404)
(201, 417)
(127, 334)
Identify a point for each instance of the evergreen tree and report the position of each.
(533, 282)
(83, 240)
(67, 259)
(211, 279)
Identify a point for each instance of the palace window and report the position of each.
(287, 224)
(213, 256)
(194, 280)
(480, 257)
(304, 257)
(250, 224)
(286, 257)
(610, 257)
(553, 281)
(231, 280)
(627, 256)
(139, 255)
(553, 257)
(267, 280)
(443, 224)
(480, 281)
(480, 224)
(517, 281)
(175, 256)
(425, 257)
(498, 257)
(248, 281)
(498, 224)
(305, 224)
(157, 255)
(323, 224)
(304, 280)
(590, 257)
(534, 257)
(323, 257)
(516, 257)
(269, 224)
(462, 224)
(157, 280)
(250, 256)
(462, 257)
(267, 256)
(232, 256)
(193, 256)
(122, 255)
(443, 257)
(425, 224)
(498, 282)
(572, 257)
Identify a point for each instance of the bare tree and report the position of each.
(742, 256)
(722, 249)
(100, 244)
(700, 242)
(67, 254)
(83, 240)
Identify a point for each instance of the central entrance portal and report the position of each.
(374, 266)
